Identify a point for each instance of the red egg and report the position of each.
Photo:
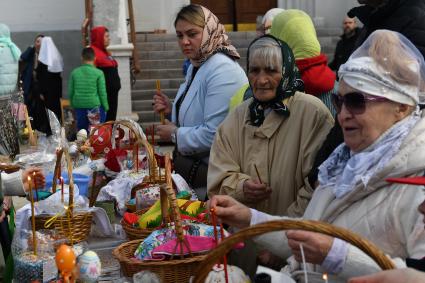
(65, 259)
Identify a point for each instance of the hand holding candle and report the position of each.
(161, 102)
(37, 177)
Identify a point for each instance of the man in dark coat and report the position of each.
(346, 44)
(404, 16)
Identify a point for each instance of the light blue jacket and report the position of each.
(206, 103)
(9, 60)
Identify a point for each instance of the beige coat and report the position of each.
(386, 214)
(283, 149)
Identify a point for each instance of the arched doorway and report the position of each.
(238, 14)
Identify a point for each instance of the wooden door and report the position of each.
(223, 9)
(248, 10)
(237, 12)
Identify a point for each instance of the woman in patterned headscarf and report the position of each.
(202, 101)
(278, 132)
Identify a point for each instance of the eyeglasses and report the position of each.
(355, 102)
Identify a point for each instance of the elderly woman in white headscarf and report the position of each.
(384, 136)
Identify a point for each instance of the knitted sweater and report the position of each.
(86, 88)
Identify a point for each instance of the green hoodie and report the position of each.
(86, 88)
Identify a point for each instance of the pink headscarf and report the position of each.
(214, 40)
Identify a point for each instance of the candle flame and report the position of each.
(325, 276)
(29, 179)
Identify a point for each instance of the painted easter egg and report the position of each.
(65, 259)
(90, 267)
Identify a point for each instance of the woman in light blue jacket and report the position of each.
(9, 59)
(202, 101)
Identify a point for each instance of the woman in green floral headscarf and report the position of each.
(278, 131)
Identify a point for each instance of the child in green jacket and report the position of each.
(87, 92)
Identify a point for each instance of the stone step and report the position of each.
(149, 93)
(173, 45)
(147, 116)
(172, 64)
(144, 105)
(168, 37)
(161, 74)
(248, 35)
(151, 84)
(161, 64)
(173, 54)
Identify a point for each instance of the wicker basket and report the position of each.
(308, 225)
(134, 233)
(75, 226)
(169, 271)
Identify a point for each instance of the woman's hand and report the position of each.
(164, 131)
(255, 191)
(230, 211)
(405, 275)
(316, 246)
(161, 102)
(37, 178)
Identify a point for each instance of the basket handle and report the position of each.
(168, 196)
(56, 171)
(141, 141)
(288, 224)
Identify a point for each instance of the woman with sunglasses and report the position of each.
(384, 136)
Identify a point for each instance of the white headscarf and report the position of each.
(270, 14)
(387, 65)
(49, 55)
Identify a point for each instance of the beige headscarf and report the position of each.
(214, 40)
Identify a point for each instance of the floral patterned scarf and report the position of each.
(289, 84)
(214, 40)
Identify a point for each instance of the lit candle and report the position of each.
(61, 181)
(325, 277)
(35, 186)
(34, 238)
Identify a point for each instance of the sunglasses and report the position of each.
(355, 102)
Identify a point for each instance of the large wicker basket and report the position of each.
(308, 225)
(169, 271)
(75, 226)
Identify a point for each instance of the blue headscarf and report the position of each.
(5, 39)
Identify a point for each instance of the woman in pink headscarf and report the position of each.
(202, 101)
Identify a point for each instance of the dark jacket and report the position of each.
(343, 50)
(404, 16)
(27, 60)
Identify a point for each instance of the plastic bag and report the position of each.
(41, 266)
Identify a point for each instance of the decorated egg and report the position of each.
(65, 259)
(90, 267)
(236, 275)
(82, 135)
